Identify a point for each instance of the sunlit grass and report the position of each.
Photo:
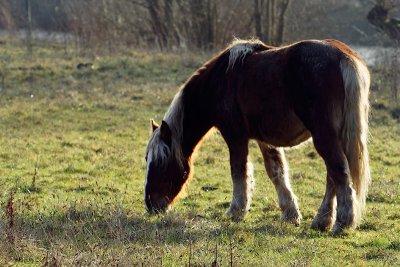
(72, 155)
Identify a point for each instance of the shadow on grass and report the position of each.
(106, 226)
(113, 224)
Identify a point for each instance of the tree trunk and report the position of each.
(171, 30)
(29, 28)
(199, 23)
(257, 18)
(280, 23)
(271, 21)
(211, 22)
(157, 26)
(395, 68)
(6, 18)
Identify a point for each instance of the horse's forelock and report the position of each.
(158, 150)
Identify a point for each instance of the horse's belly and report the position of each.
(282, 131)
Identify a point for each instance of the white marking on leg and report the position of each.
(278, 171)
(250, 183)
(348, 211)
(243, 188)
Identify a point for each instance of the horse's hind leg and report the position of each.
(242, 178)
(328, 146)
(276, 167)
(326, 213)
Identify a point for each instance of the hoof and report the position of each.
(322, 223)
(292, 216)
(236, 214)
(340, 228)
(347, 222)
(337, 229)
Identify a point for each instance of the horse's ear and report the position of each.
(154, 125)
(165, 132)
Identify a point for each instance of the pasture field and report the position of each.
(72, 168)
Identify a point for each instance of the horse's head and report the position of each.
(166, 171)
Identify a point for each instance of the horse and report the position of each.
(280, 97)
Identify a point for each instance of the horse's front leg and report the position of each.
(277, 169)
(242, 178)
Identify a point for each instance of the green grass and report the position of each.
(72, 146)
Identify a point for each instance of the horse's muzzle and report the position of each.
(156, 206)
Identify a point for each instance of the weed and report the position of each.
(10, 215)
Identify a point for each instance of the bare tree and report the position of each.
(211, 22)
(257, 18)
(29, 26)
(270, 25)
(171, 29)
(270, 17)
(6, 19)
(280, 10)
(395, 67)
(199, 10)
(180, 24)
(379, 17)
(157, 24)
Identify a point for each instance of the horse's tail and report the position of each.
(355, 127)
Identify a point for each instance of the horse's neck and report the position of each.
(198, 113)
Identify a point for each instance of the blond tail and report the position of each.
(355, 127)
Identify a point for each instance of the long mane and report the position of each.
(239, 49)
(174, 119)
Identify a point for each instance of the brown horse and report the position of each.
(280, 97)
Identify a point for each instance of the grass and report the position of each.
(72, 173)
